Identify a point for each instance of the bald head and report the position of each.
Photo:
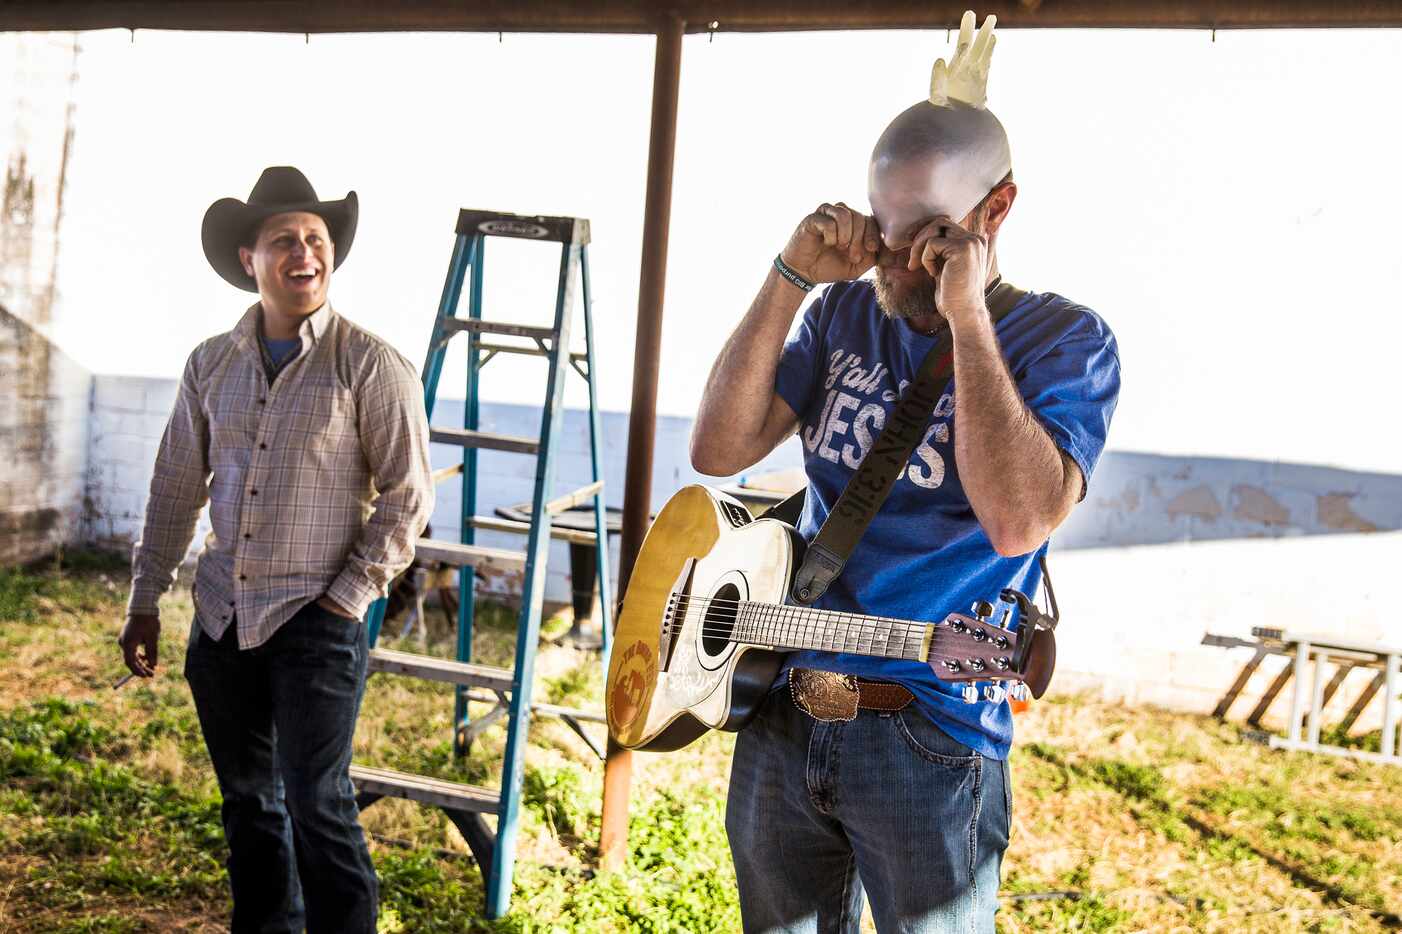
(934, 160)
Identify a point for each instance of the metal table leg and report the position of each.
(1389, 743)
(1321, 660)
(1297, 700)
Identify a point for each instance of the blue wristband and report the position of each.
(789, 274)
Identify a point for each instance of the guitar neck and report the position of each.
(794, 628)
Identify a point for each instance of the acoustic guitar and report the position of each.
(705, 627)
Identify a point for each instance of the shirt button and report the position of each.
(252, 492)
(231, 603)
(243, 577)
(262, 401)
(247, 534)
(262, 446)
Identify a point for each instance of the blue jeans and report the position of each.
(278, 721)
(887, 802)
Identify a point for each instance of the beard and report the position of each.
(915, 299)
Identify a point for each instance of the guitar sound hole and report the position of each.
(720, 619)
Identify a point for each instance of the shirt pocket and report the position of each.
(233, 406)
(324, 416)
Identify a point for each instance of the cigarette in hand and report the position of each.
(123, 681)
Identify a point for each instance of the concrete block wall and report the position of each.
(44, 399)
(1163, 550)
(1148, 499)
(129, 415)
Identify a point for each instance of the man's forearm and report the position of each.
(386, 543)
(394, 434)
(1011, 470)
(731, 430)
(179, 490)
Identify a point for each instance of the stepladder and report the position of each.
(509, 692)
(1310, 657)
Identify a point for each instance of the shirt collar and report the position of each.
(318, 321)
(313, 326)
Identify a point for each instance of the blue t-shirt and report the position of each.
(281, 351)
(925, 554)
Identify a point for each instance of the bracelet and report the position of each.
(789, 274)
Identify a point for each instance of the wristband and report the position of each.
(789, 274)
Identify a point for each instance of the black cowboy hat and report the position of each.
(230, 223)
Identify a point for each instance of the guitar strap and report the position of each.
(854, 510)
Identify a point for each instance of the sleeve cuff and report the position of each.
(144, 601)
(354, 592)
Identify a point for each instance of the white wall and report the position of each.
(1163, 549)
(43, 391)
(1218, 203)
(129, 415)
(1133, 618)
(43, 444)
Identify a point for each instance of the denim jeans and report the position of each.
(888, 803)
(278, 721)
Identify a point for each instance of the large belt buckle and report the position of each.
(824, 695)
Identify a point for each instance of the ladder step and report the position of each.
(434, 791)
(573, 230)
(445, 473)
(484, 439)
(478, 326)
(430, 668)
(494, 524)
(550, 710)
(494, 347)
(477, 556)
(571, 500)
(553, 710)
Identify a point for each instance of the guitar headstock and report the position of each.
(973, 648)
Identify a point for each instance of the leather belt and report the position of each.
(828, 696)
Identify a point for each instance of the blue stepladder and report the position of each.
(508, 691)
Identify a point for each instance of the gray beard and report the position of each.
(916, 302)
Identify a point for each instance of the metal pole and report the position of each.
(642, 419)
(1389, 705)
(1321, 661)
(1297, 700)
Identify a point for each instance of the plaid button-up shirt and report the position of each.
(318, 484)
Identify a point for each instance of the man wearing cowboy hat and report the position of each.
(308, 438)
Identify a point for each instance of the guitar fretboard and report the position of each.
(792, 627)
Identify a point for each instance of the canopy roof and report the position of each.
(640, 16)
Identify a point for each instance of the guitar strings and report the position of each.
(857, 623)
(940, 649)
(812, 619)
(813, 616)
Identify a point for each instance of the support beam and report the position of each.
(642, 419)
(1362, 702)
(639, 16)
(1247, 671)
(1277, 685)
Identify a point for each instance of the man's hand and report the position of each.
(334, 608)
(957, 259)
(833, 243)
(139, 639)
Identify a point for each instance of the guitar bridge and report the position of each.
(674, 616)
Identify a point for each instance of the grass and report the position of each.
(1124, 819)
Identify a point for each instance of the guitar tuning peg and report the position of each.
(994, 693)
(1019, 692)
(1006, 621)
(971, 694)
(982, 609)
